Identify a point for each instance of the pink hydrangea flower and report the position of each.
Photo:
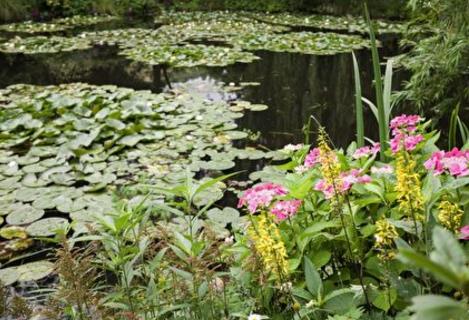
(404, 133)
(312, 158)
(455, 162)
(405, 122)
(286, 208)
(386, 169)
(434, 163)
(464, 233)
(325, 188)
(366, 151)
(260, 196)
(345, 183)
(405, 142)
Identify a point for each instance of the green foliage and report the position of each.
(116, 7)
(447, 263)
(12, 10)
(379, 8)
(378, 84)
(438, 38)
(382, 109)
(358, 104)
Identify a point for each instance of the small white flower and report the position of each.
(199, 118)
(293, 147)
(301, 169)
(329, 270)
(12, 164)
(229, 240)
(254, 316)
(386, 169)
(286, 287)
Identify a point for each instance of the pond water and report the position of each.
(293, 85)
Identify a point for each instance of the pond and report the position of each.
(132, 104)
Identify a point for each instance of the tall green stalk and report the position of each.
(358, 104)
(383, 130)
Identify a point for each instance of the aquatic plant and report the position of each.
(170, 45)
(68, 148)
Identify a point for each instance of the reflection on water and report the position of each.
(294, 86)
(204, 87)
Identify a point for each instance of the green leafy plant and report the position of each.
(448, 264)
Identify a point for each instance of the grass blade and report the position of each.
(383, 130)
(358, 104)
(387, 91)
(453, 123)
(463, 130)
(372, 107)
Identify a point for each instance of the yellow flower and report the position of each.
(330, 166)
(450, 215)
(408, 187)
(268, 243)
(384, 239)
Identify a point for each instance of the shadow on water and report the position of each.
(294, 86)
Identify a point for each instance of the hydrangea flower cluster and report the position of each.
(454, 162)
(403, 129)
(285, 208)
(345, 182)
(312, 158)
(405, 122)
(366, 151)
(260, 196)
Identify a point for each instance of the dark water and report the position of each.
(294, 86)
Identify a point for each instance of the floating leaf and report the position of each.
(8, 276)
(46, 227)
(34, 271)
(12, 232)
(24, 214)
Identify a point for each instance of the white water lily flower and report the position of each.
(293, 147)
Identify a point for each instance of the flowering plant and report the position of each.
(331, 212)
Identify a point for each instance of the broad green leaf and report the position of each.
(313, 279)
(434, 307)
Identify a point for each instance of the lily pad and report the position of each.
(34, 271)
(46, 227)
(8, 276)
(13, 232)
(24, 214)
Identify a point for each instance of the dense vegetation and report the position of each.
(124, 204)
(21, 9)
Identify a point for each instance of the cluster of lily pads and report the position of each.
(65, 150)
(56, 24)
(326, 22)
(193, 39)
(43, 44)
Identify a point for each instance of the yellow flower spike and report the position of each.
(330, 167)
(385, 235)
(450, 215)
(269, 246)
(408, 187)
